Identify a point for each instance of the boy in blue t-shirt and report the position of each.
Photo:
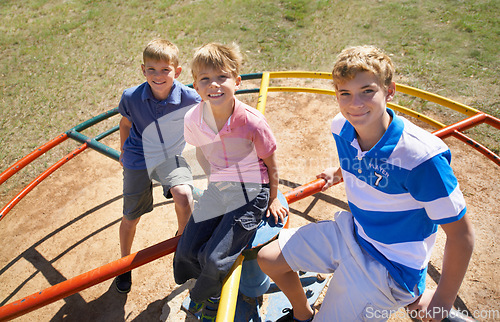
(400, 187)
(151, 141)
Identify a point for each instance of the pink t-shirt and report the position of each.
(236, 152)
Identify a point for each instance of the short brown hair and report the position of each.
(354, 60)
(161, 49)
(218, 56)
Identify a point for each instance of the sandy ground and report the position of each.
(69, 224)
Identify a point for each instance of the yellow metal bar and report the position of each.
(446, 102)
(431, 97)
(416, 115)
(264, 84)
(229, 294)
(396, 107)
(300, 74)
(301, 89)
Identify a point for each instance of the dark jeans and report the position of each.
(210, 244)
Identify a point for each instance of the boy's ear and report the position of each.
(143, 68)
(238, 81)
(336, 92)
(178, 71)
(391, 91)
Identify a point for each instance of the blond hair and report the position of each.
(354, 60)
(217, 56)
(161, 50)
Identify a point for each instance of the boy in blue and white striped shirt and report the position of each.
(400, 187)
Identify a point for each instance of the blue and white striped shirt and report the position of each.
(399, 192)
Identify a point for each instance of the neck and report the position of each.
(216, 117)
(160, 96)
(369, 136)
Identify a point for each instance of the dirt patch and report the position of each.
(69, 224)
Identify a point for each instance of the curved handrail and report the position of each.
(124, 264)
(98, 275)
(86, 280)
(8, 207)
(13, 169)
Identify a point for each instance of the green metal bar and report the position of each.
(96, 119)
(247, 91)
(106, 133)
(94, 144)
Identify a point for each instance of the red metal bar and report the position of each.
(8, 207)
(460, 125)
(456, 128)
(86, 280)
(98, 275)
(478, 146)
(30, 157)
(147, 255)
(493, 121)
(305, 190)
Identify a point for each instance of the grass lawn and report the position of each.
(63, 62)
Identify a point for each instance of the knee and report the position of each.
(265, 259)
(212, 264)
(271, 260)
(129, 224)
(182, 195)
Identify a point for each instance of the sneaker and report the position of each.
(195, 307)
(209, 312)
(123, 282)
(288, 317)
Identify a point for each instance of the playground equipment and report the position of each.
(230, 290)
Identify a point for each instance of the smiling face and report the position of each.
(160, 76)
(216, 87)
(362, 101)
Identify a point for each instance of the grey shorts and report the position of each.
(138, 186)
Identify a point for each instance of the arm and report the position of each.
(205, 165)
(332, 176)
(275, 207)
(457, 253)
(125, 126)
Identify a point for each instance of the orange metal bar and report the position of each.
(478, 146)
(456, 128)
(306, 190)
(147, 255)
(30, 157)
(39, 179)
(460, 125)
(98, 275)
(86, 280)
(493, 121)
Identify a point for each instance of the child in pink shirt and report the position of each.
(235, 147)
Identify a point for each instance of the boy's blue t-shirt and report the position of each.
(399, 192)
(157, 126)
